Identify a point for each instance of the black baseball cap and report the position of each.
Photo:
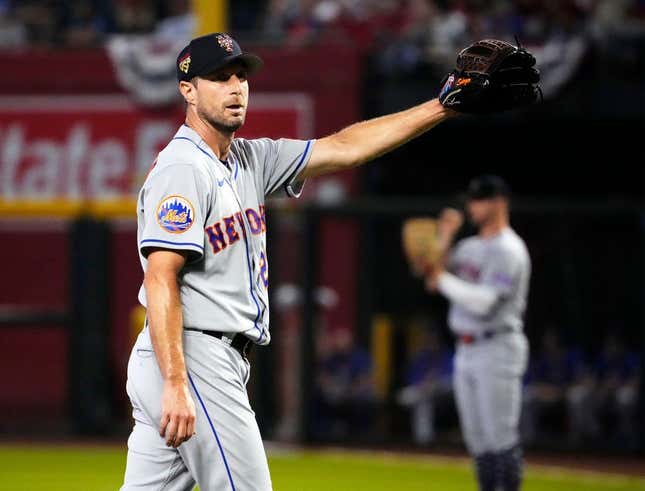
(205, 54)
(488, 186)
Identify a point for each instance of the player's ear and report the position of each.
(188, 91)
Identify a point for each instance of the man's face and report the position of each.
(482, 211)
(223, 96)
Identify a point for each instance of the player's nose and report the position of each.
(235, 83)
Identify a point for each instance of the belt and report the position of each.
(472, 338)
(239, 342)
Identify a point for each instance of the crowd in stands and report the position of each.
(572, 397)
(427, 27)
(84, 23)
(589, 398)
(407, 35)
(402, 36)
(344, 401)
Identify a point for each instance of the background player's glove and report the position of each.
(421, 244)
(426, 240)
(491, 76)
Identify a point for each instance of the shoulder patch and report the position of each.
(175, 214)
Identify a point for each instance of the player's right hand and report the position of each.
(177, 413)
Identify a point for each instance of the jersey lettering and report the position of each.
(264, 269)
(263, 217)
(229, 224)
(255, 222)
(216, 237)
(227, 231)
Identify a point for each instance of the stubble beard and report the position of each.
(226, 127)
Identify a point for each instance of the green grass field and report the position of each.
(74, 468)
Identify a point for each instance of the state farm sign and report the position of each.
(101, 147)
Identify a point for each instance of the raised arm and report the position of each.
(490, 76)
(364, 141)
(165, 320)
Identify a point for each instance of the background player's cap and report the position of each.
(488, 186)
(205, 54)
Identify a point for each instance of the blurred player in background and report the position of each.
(486, 280)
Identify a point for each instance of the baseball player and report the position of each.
(486, 280)
(202, 243)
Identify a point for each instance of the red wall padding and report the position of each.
(34, 364)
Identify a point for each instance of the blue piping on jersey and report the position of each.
(173, 243)
(248, 261)
(304, 154)
(191, 141)
(297, 171)
(246, 245)
(210, 422)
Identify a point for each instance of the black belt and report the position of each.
(239, 342)
(471, 338)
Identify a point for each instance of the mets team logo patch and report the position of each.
(175, 214)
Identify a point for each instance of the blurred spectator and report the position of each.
(288, 300)
(86, 23)
(135, 16)
(603, 404)
(179, 21)
(428, 379)
(555, 373)
(41, 19)
(350, 21)
(344, 399)
(12, 30)
(618, 373)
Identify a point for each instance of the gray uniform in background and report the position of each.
(492, 350)
(213, 210)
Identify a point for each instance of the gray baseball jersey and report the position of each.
(501, 262)
(215, 211)
(488, 372)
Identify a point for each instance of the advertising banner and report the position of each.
(93, 148)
